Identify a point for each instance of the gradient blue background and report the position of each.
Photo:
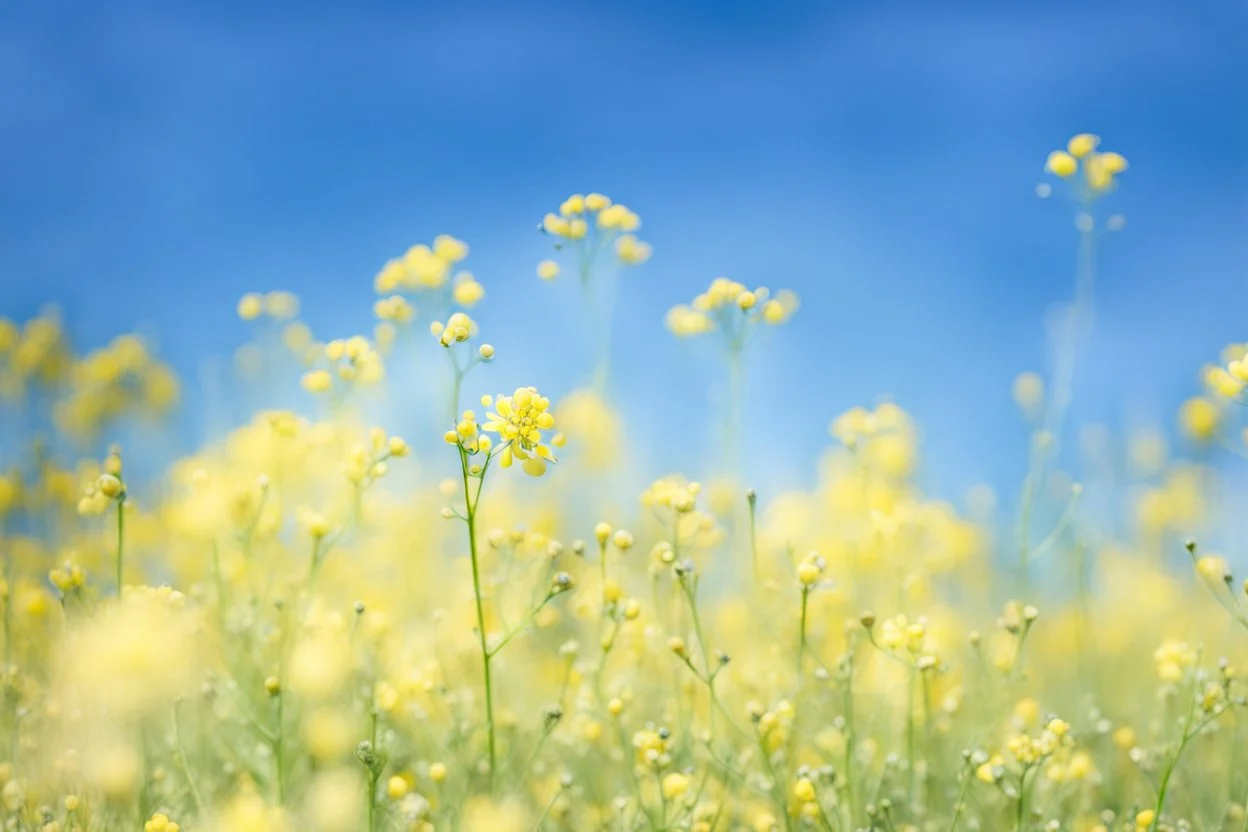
(879, 158)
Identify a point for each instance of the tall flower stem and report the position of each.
(121, 539)
(1071, 331)
(470, 518)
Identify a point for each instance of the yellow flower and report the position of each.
(1222, 382)
(1173, 657)
(1199, 418)
(396, 788)
(572, 206)
(631, 250)
(316, 381)
(1081, 145)
(467, 291)
(281, 305)
(519, 420)
(1061, 163)
(446, 247)
(1213, 567)
(675, 785)
(548, 270)
(250, 306)
(1113, 163)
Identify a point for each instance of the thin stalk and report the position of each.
(279, 750)
(801, 639)
(849, 736)
(1021, 809)
(910, 739)
(470, 518)
(186, 766)
(752, 499)
(958, 807)
(121, 538)
(374, 774)
(1173, 763)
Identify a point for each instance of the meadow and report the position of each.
(311, 624)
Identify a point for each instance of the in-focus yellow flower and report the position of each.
(519, 420)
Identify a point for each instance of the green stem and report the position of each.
(1173, 763)
(1022, 801)
(8, 602)
(278, 749)
(958, 807)
(849, 736)
(752, 498)
(374, 774)
(910, 738)
(121, 538)
(470, 517)
(736, 396)
(186, 766)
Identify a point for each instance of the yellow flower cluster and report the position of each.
(160, 822)
(1174, 658)
(279, 306)
(520, 421)
(457, 329)
(35, 353)
(422, 267)
(592, 222)
(730, 307)
(1099, 168)
(352, 361)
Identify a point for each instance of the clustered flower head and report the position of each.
(592, 222)
(422, 267)
(33, 355)
(730, 307)
(521, 422)
(108, 383)
(352, 361)
(1099, 168)
(457, 329)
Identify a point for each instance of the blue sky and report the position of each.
(878, 158)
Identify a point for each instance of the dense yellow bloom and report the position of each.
(520, 420)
